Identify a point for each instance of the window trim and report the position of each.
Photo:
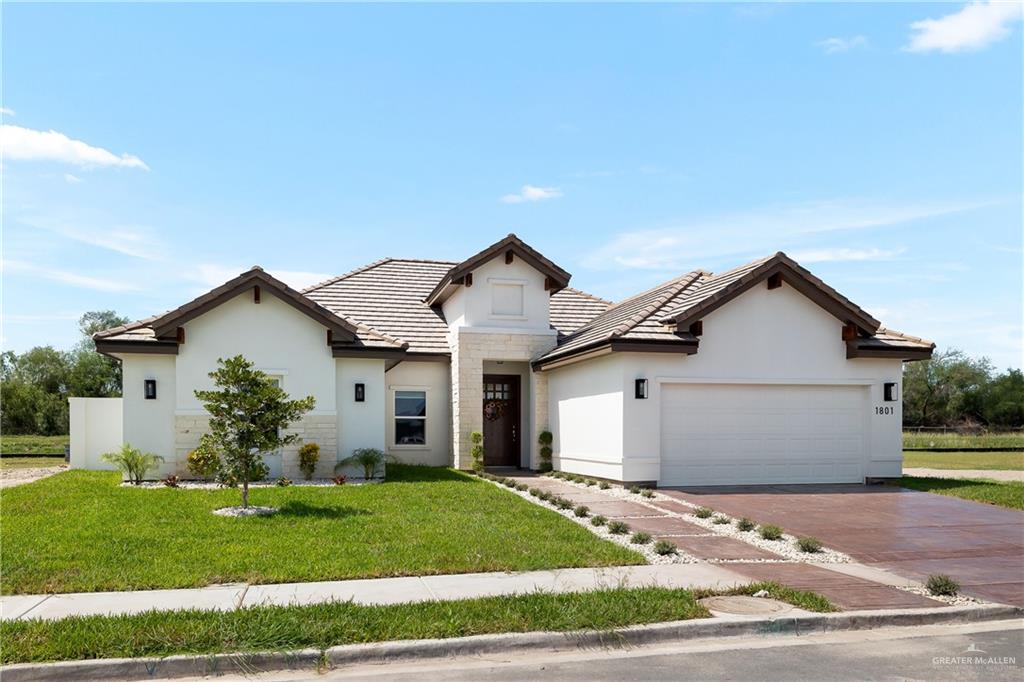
(425, 445)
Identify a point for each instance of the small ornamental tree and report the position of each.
(477, 450)
(248, 412)
(545, 438)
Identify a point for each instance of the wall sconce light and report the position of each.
(360, 393)
(892, 391)
(150, 389)
(641, 389)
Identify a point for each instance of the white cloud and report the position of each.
(752, 233)
(129, 240)
(25, 144)
(840, 254)
(974, 27)
(6, 112)
(532, 193)
(837, 44)
(65, 277)
(72, 179)
(212, 275)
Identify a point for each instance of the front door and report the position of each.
(501, 420)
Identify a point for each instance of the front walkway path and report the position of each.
(994, 474)
(377, 591)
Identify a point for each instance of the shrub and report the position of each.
(203, 462)
(544, 495)
(640, 538)
(635, 489)
(283, 482)
(809, 545)
(582, 511)
(590, 482)
(940, 584)
(134, 463)
(576, 478)
(371, 459)
(770, 532)
(171, 481)
(535, 492)
(563, 503)
(618, 527)
(339, 479)
(664, 548)
(604, 485)
(545, 439)
(309, 455)
(509, 483)
(477, 450)
(720, 520)
(646, 492)
(598, 520)
(703, 512)
(746, 524)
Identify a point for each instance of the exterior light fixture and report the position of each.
(360, 393)
(892, 391)
(150, 389)
(641, 389)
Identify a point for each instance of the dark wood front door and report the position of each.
(501, 420)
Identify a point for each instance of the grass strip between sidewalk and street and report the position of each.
(1008, 494)
(286, 628)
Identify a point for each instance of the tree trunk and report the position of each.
(245, 494)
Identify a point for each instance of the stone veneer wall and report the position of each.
(469, 350)
(315, 428)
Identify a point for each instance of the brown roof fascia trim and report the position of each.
(147, 347)
(793, 275)
(368, 353)
(167, 323)
(605, 347)
(428, 357)
(559, 277)
(854, 350)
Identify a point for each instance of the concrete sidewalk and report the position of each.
(378, 591)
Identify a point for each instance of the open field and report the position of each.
(913, 440)
(964, 459)
(81, 531)
(32, 445)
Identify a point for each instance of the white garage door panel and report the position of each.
(715, 434)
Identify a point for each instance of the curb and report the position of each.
(407, 650)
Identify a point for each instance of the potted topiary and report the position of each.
(309, 455)
(477, 451)
(545, 439)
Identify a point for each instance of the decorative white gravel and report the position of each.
(602, 531)
(958, 600)
(785, 547)
(242, 512)
(211, 485)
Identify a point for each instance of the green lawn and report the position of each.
(1003, 461)
(30, 462)
(80, 531)
(1005, 494)
(287, 628)
(927, 441)
(33, 445)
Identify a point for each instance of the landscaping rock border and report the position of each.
(245, 512)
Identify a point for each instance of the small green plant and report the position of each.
(809, 545)
(746, 524)
(720, 520)
(563, 503)
(647, 492)
(640, 538)
(582, 511)
(544, 495)
(134, 463)
(770, 532)
(545, 439)
(590, 482)
(534, 492)
(309, 455)
(203, 462)
(598, 520)
(942, 585)
(283, 482)
(635, 489)
(703, 512)
(476, 451)
(509, 483)
(664, 548)
(604, 485)
(577, 478)
(618, 527)
(522, 487)
(171, 481)
(371, 459)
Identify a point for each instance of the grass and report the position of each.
(1004, 494)
(284, 628)
(79, 531)
(927, 441)
(965, 459)
(30, 462)
(34, 445)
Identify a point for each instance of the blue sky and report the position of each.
(880, 145)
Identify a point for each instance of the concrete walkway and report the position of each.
(994, 474)
(377, 591)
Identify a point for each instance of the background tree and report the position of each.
(248, 413)
(953, 388)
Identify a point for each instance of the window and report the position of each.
(410, 417)
(507, 299)
(497, 391)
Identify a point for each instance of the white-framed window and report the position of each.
(507, 297)
(410, 417)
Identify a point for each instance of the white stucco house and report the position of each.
(761, 374)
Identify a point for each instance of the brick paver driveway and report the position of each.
(911, 533)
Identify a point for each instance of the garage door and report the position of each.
(715, 434)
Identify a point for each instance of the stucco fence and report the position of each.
(96, 427)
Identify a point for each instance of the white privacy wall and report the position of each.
(95, 429)
(435, 379)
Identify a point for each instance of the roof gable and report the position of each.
(511, 246)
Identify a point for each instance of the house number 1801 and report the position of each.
(885, 409)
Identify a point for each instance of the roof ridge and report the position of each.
(645, 292)
(674, 287)
(908, 337)
(589, 295)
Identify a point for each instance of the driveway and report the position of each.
(910, 533)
